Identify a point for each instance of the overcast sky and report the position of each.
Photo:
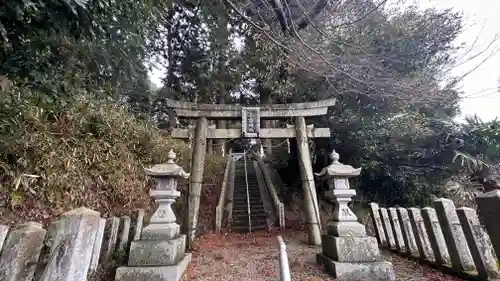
(482, 18)
(482, 24)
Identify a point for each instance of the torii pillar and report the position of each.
(196, 182)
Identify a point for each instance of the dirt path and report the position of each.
(254, 257)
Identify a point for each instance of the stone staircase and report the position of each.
(240, 208)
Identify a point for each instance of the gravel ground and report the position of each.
(254, 257)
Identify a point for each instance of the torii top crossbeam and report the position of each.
(232, 111)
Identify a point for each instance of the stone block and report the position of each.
(351, 249)
(436, 237)
(396, 229)
(159, 273)
(137, 224)
(96, 250)
(478, 241)
(50, 239)
(110, 240)
(346, 228)
(123, 234)
(4, 230)
(461, 258)
(386, 225)
(489, 212)
(362, 271)
(408, 232)
(421, 234)
(160, 231)
(157, 252)
(73, 246)
(377, 223)
(21, 251)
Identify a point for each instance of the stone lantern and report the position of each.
(163, 223)
(161, 250)
(348, 253)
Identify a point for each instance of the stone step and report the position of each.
(243, 200)
(244, 214)
(253, 186)
(244, 193)
(244, 189)
(245, 222)
(244, 183)
(244, 186)
(245, 229)
(251, 198)
(256, 210)
(244, 210)
(243, 196)
(245, 203)
(254, 217)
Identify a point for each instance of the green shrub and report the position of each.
(89, 153)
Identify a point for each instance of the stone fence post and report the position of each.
(386, 225)
(478, 241)
(377, 223)
(422, 234)
(489, 211)
(73, 246)
(4, 229)
(408, 233)
(461, 258)
(21, 252)
(436, 238)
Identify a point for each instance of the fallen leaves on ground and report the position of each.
(255, 257)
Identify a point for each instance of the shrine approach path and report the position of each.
(255, 257)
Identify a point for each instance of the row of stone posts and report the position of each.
(69, 250)
(449, 237)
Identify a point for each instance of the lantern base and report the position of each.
(346, 228)
(361, 271)
(160, 231)
(154, 273)
(157, 252)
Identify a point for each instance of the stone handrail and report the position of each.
(249, 210)
(284, 267)
(278, 205)
(219, 210)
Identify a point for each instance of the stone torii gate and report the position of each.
(250, 118)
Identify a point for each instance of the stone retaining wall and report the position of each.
(445, 236)
(219, 209)
(279, 207)
(70, 249)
